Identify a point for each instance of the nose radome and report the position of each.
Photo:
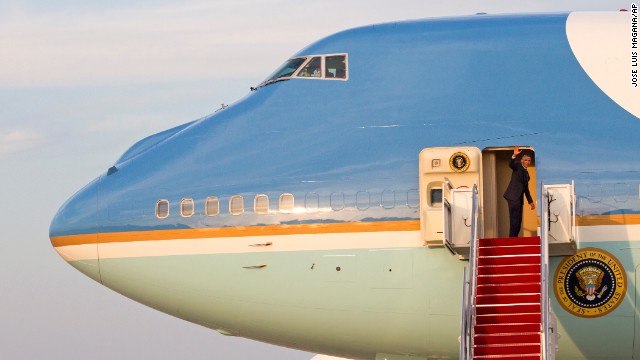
(73, 231)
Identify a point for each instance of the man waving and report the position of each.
(518, 187)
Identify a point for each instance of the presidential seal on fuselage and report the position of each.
(459, 162)
(591, 283)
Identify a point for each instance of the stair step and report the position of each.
(507, 309)
(506, 328)
(508, 269)
(509, 289)
(509, 250)
(535, 240)
(508, 299)
(519, 349)
(508, 279)
(506, 339)
(508, 319)
(508, 294)
(508, 260)
(509, 357)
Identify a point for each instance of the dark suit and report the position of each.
(518, 186)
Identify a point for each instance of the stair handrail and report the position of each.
(470, 284)
(447, 239)
(464, 340)
(544, 273)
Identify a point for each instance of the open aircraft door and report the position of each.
(447, 175)
(561, 223)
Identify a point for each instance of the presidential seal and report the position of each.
(459, 162)
(590, 283)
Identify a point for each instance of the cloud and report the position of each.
(17, 141)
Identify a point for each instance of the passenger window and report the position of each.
(162, 209)
(212, 206)
(388, 199)
(186, 207)
(286, 203)
(236, 205)
(312, 69)
(261, 204)
(312, 201)
(413, 198)
(436, 197)
(363, 200)
(337, 201)
(336, 67)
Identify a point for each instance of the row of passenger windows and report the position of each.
(286, 203)
(236, 205)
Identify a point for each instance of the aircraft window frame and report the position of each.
(286, 203)
(413, 198)
(276, 75)
(168, 204)
(312, 201)
(259, 207)
(346, 67)
(337, 201)
(236, 205)
(323, 67)
(185, 203)
(361, 196)
(211, 199)
(386, 202)
(307, 63)
(436, 198)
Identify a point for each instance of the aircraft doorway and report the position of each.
(446, 176)
(496, 177)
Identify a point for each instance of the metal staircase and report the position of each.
(506, 311)
(508, 299)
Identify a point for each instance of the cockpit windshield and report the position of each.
(310, 67)
(287, 69)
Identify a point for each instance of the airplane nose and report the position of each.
(73, 231)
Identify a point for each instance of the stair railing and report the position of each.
(470, 284)
(544, 274)
(464, 337)
(447, 187)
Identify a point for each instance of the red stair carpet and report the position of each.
(508, 299)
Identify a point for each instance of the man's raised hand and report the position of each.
(516, 150)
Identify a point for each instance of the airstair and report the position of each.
(506, 313)
(505, 307)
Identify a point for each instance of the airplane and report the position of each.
(351, 204)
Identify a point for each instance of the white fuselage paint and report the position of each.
(601, 42)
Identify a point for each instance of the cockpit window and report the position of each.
(325, 67)
(287, 69)
(312, 69)
(336, 66)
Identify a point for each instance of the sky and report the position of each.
(81, 81)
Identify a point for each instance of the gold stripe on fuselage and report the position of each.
(618, 219)
(239, 231)
(274, 230)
